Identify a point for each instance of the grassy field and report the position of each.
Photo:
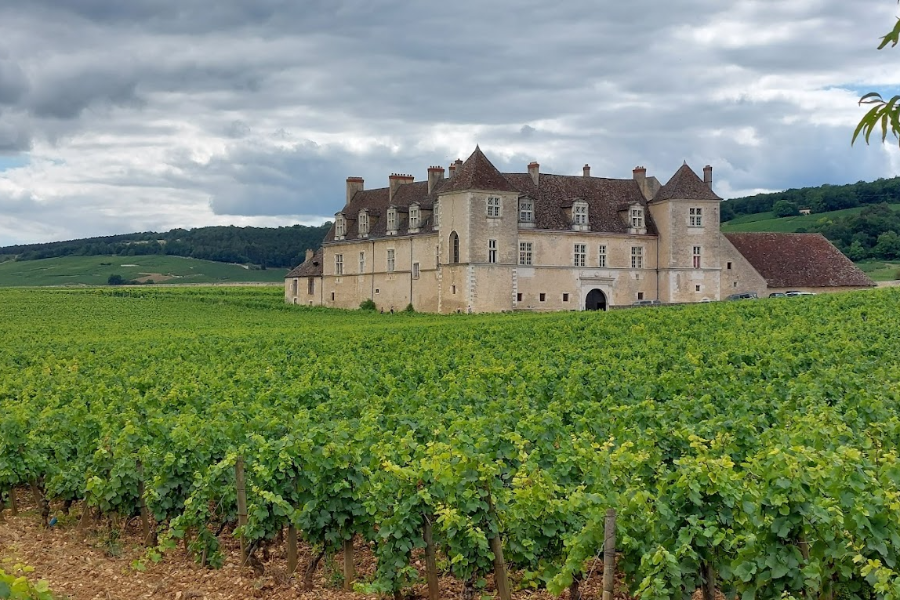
(767, 222)
(96, 270)
(880, 270)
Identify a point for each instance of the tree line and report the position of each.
(266, 247)
(820, 199)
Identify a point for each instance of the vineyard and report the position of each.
(748, 447)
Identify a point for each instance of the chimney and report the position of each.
(534, 170)
(354, 184)
(640, 175)
(586, 170)
(454, 167)
(309, 254)
(396, 181)
(435, 175)
(707, 176)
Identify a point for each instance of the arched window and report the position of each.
(454, 247)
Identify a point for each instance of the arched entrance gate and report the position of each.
(596, 300)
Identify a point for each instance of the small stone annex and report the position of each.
(480, 240)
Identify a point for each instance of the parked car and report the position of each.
(777, 295)
(743, 296)
(792, 293)
(646, 303)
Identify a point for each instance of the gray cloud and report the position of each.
(189, 112)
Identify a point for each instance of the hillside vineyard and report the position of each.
(753, 444)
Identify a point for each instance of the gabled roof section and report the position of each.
(685, 185)
(309, 268)
(478, 173)
(789, 260)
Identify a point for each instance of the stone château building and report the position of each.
(484, 241)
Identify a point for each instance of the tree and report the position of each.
(884, 114)
(783, 208)
(115, 279)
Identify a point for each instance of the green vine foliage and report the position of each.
(16, 586)
(752, 442)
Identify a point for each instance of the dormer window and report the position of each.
(526, 211)
(637, 218)
(340, 226)
(414, 218)
(392, 221)
(580, 216)
(363, 223)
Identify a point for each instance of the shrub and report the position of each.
(368, 304)
(115, 279)
(409, 308)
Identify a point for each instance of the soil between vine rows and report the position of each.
(96, 567)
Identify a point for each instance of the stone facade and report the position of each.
(485, 241)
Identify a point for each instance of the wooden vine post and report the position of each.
(430, 561)
(146, 535)
(13, 506)
(609, 554)
(292, 549)
(501, 580)
(241, 504)
(348, 564)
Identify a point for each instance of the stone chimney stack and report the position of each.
(534, 169)
(309, 255)
(395, 181)
(354, 184)
(640, 175)
(454, 167)
(435, 175)
(707, 176)
(586, 170)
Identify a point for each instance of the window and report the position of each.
(294, 287)
(390, 260)
(637, 218)
(414, 217)
(332, 296)
(580, 254)
(415, 271)
(525, 251)
(310, 286)
(453, 289)
(542, 297)
(392, 221)
(565, 297)
(437, 256)
(338, 264)
(697, 288)
(340, 227)
(363, 224)
(492, 251)
(493, 206)
(697, 257)
(526, 210)
(362, 262)
(728, 266)
(434, 218)
(580, 215)
(454, 247)
(377, 291)
(696, 219)
(601, 255)
(519, 297)
(637, 257)
(640, 295)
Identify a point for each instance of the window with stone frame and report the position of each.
(696, 217)
(338, 264)
(696, 257)
(493, 206)
(390, 261)
(492, 251)
(434, 215)
(362, 262)
(637, 218)
(392, 221)
(637, 257)
(310, 286)
(363, 223)
(525, 253)
(340, 227)
(414, 217)
(580, 215)
(415, 270)
(580, 255)
(601, 256)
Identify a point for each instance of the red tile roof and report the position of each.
(788, 260)
(478, 173)
(309, 268)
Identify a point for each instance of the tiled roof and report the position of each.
(555, 193)
(788, 260)
(685, 185)
(309, 268)
(478, 173)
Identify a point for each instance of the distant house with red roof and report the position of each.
(485, 241)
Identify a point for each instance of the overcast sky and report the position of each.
(144, 115)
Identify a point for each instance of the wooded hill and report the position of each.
(266, 247)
